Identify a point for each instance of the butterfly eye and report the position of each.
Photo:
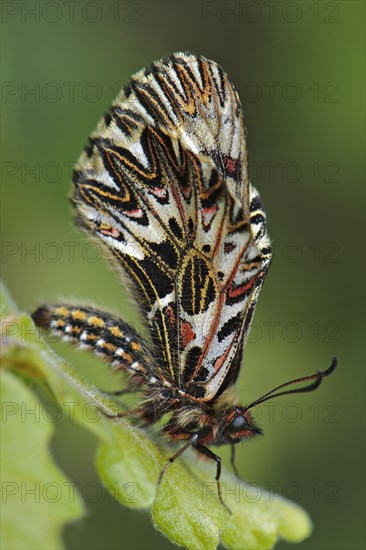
(238, 422)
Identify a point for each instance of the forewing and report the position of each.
(191, 98)
(163, 182)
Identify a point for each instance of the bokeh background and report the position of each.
(298, 67)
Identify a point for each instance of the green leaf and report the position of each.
(33, 487)
(185, 506)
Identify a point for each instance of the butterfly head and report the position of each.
(237, 425)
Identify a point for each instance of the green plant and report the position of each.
(125, 453)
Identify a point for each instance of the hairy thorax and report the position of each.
(215, 423)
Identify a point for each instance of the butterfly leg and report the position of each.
(232, 461)
(233, 465)
(129, 389)
(124, 414)
(177, 455)
(209, 454)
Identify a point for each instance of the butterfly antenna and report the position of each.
(317, 377)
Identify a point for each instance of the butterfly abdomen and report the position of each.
(109, 337)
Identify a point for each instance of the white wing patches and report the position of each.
(164, 184)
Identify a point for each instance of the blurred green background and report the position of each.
(298, 67)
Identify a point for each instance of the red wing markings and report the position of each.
(164, 184)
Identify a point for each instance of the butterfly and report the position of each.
(163, 184)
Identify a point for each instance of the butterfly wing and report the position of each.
(191, 99)
(163, 183)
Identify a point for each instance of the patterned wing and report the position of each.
(164, 184)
